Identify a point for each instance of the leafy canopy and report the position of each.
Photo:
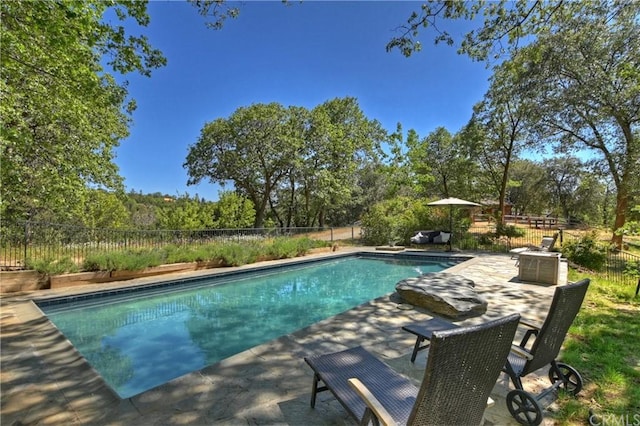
(288, 161)
(62, 113)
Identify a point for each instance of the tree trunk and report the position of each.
(622, 202)
(261, 207)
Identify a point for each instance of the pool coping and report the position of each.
(45, 379)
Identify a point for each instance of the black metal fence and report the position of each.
(21, 242)
(620, 266)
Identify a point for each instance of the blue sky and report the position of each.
(300, 54)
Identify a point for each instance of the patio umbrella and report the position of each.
(452, 202)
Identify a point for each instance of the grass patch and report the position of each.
(602, 345)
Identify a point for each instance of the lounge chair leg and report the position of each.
(416, 348)
(369, 418)
(314, 391)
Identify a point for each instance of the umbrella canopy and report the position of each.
(452, 202)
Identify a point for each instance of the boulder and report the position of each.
(445, 294)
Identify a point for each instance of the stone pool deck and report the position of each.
(45, 381)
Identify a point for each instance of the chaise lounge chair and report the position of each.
(522, 405)
(546, 244)
(463, 365)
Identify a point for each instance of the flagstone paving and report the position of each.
(45, 381)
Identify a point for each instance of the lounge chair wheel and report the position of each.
(572, 380)
(524, 407)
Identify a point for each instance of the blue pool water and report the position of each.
(139, 340)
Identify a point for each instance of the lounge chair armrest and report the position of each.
(372, 402)
(529, 324)
(533, 330)
(521, 352)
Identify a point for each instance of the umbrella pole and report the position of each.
(450, 228)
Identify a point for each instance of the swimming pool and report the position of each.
(141, 338)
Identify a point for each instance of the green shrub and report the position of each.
(394, 221)
(485, 240)
(235, 254)
(305, 244)
(175, 254)
(286, 248)
(632, 268)
(124, 261)
(282, 248)
(508, 231)
(586, 252)
(53, 267)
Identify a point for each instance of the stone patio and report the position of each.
(45, 381)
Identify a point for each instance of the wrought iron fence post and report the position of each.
(26, 241)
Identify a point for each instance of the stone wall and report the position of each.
(16, 281)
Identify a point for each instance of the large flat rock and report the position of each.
(442, 293)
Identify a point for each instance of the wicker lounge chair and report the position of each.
(523, 406)
(546, 244)
(463, 365)
(424, 331)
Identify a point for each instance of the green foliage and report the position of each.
(572, 71)
(632, 268)
(62, 113)
(52, 267)
(586, 252)
(203, 253)
(632, 227)
(602, 346)
(394, 221)
(508, 231)
(285, 248)
(104, 210)
(216, 10)
(441, 163)
(579, 104)
(233, 211)
(236, 254)
(231, 254)
(252, 148)
(186, 213)
(300, 164)
(130, 260)
(527, 192)
(338, 142)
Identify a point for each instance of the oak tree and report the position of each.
(252, 148)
